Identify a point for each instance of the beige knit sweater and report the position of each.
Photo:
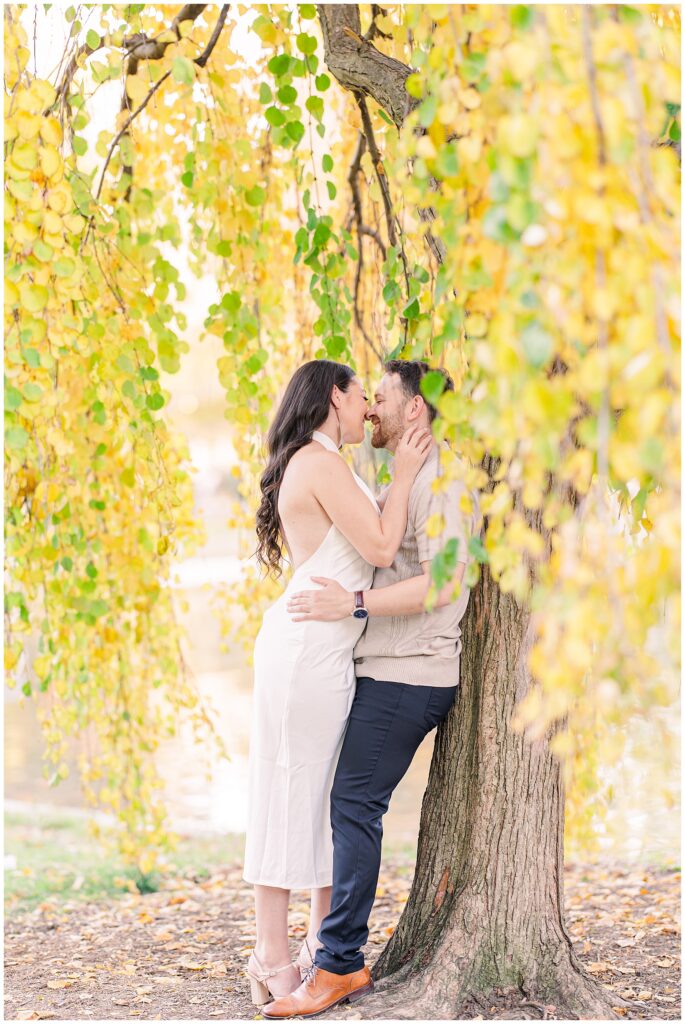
(421, 649)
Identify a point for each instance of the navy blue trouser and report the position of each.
(387, 723)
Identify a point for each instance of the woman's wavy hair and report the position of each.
(303, 408)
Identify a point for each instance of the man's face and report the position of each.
(388, 412)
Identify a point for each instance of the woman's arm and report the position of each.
(375, 537)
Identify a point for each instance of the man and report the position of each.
(407, 668)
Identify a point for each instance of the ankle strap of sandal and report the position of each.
(264, 974)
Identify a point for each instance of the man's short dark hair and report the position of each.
(410, 372)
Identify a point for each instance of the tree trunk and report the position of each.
(484, 924)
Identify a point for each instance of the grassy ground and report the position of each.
(51, 855)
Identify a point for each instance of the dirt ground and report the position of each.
(179, 953)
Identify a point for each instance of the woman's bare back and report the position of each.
(303, 520)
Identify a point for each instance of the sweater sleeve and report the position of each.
(447, 506)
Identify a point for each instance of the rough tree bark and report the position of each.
(484, 922)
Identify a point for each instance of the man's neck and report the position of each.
(433, 447)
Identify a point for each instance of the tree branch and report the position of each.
(358, 216)
(359, 66)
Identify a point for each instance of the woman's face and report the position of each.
(352, 412)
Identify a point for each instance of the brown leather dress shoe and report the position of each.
(318, 992)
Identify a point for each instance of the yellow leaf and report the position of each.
(34, 297)
(50, 161)
(518, 134)
(435, 524)
(51, 131)
(24, 156)
(52, 222)
(28, 125)
(137, 88)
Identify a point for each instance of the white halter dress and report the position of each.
(304, 684)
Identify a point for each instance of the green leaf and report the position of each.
(314, 105)
(432, 386)
(631, 15)
(335, 346)
(327, 163)
(307, 10)
(447, 163)
(414, 86)
(295, 129)
(255, 196)
(43, 251)
(13, 398)
(64, 267)
(391, 291)
(274, 116)
(93, 39)
(321, 235)
(475, 547)
(287, 94)
(428, 110)
(265, 94)
(279, 64)
(32, 392)
(521, 16)
(332, 190)
(411, 310)
(16, 438)
(187, 179)
(80, 145)
(231, 302)
(155, 401)
(182, 71)
(322, 82)
(306, 43)
(537, 344)
(31, 357)
(386, 117)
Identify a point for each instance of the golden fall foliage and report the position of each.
(543, 149)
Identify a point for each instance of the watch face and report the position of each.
(360, 613)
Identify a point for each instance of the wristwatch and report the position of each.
(360, 612)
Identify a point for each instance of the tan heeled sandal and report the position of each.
(259, 977)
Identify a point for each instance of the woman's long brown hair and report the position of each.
(304, 407)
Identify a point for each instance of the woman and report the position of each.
(330, 524)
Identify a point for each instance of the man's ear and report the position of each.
(416, 407)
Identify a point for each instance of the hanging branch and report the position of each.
(364, 70)
(600, 259)
(355, 169)
(382, 177)
(201, 61)
(645, 189)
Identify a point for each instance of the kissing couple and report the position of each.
(350, 671)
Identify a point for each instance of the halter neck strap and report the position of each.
(325, 440)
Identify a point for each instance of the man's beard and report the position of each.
(384, 435)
